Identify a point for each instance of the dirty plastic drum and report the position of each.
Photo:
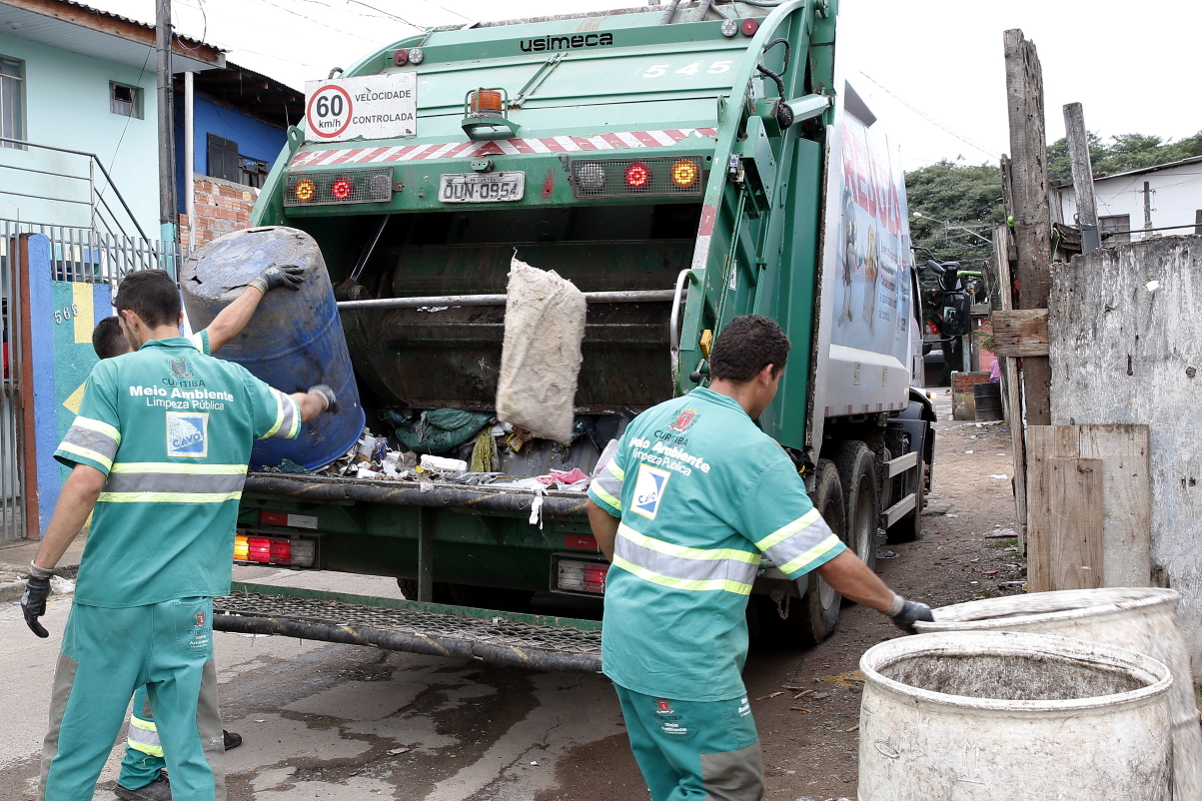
(293, 341)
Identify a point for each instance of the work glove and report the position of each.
(33, 604)
(911, 612)
(327, 393)
(289, 276)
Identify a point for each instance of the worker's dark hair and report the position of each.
(150, 294)
(747, 345)
(108, 339)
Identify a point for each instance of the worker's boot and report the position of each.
(230, 739)
(157, 790)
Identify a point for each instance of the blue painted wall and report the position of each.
(66, 104)
(256, 139)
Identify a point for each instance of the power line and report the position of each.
(930, 119)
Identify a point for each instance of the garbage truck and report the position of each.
(681, 165)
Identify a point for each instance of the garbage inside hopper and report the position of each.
(540, 355)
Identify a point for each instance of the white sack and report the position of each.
(540, 358)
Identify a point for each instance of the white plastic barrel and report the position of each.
(1142, 619)
(982, 716)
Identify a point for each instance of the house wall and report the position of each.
(66, 104)
(1176, 198)
(256, 139)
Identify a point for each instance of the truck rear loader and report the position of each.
(681, 165)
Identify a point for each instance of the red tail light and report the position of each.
(341, 189)
(275, 550)
(638, 175)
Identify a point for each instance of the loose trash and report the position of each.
(62, 586)
(999, 476)
(395, 751)
(438, 464)
(540, 355)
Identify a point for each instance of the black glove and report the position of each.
(327, 393)
(289, 276)
(912, 611)
(33, 604)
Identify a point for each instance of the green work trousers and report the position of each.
(694, 750)
(107, 654)
(143, 758)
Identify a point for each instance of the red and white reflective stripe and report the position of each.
(624, 140)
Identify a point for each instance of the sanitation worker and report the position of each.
(142, 777)
(693, 495)
(159, 449)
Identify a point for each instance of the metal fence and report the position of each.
(12, 467)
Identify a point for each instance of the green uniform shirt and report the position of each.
(701, 492)
(171, 427)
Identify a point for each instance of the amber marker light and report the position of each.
(685, 173)
(305, 190)
(638, 175)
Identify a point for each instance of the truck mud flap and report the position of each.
(321, 489)
(502, 638)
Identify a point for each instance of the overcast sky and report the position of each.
(933, 71)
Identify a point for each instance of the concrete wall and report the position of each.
(58, 358)
(1125, 335)
(66, 102)
(1176, 199)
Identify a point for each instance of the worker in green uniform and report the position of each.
(693, 496)
(159, 450)
(142, 768)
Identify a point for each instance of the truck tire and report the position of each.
(857, 471)
(504, 600)
(909, 528)
(810, 619)
(408, 587)
(821, 602)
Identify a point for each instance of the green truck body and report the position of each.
(680, 172)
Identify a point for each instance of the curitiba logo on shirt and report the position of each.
(686, 418)
(179, 368)
(188, 434)
(648, 490)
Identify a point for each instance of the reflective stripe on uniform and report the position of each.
(798, 543)
(685, 568)
(198, 483)
(608, 484)
(143, 735)
(288, 416)
(92, 439)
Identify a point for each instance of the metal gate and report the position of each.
(12, 467)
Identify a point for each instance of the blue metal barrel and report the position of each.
(293, 341)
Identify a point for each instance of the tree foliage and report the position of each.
(1122, 153)
(959, 196)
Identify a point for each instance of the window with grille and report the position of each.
(1119, 225)
(125, 101)
(12, 117)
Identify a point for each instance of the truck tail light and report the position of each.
(685, 173)
(336, 188)
(580, 577)
(666, 176)
(638, 175)
(274, 550)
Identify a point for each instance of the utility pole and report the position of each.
(1147, 204)
(163, 35)
(1032, 213)
(1078, 153)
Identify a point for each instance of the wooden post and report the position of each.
(1013, 395)
(1078, 153)
(1032, 215)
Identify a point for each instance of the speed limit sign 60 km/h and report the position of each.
(372, 107)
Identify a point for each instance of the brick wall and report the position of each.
(221, 207)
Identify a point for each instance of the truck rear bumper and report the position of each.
(321, 489)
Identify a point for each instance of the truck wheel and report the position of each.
(821, 601)
(909, 528)
(857, 470)
(408, 588)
